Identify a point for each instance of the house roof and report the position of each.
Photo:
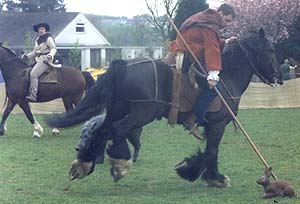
(13, 27)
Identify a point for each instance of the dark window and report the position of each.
(80, 27)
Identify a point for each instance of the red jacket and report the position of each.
(201, 32)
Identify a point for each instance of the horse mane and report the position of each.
(249, 40)
(13, 54)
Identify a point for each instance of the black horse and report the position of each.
(137, 93)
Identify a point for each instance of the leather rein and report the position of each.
(260, 76)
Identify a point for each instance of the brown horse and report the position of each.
(70, 87)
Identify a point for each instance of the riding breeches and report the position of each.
(38, 69)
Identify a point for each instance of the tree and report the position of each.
(28, 42)
(75, 56)
(140, 29)
(9, 6)
(12, 6)
(275, 16)
(290, 47)
(158, 19)
(186, 8)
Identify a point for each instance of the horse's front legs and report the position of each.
(9, 107)
(38, 130)
(211, 176)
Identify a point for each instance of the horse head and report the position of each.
(261, 55)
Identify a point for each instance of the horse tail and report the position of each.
(95, 101)
(89, 80)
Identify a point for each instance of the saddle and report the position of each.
(189, 93)
(189, 90)
(49, 76)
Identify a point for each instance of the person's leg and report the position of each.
(202, 103)
(36, 71)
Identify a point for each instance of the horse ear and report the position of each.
(262, 33)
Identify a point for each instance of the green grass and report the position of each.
(35, 171)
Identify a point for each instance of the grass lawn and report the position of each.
(35, 171)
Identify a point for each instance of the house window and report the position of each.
(80, 28)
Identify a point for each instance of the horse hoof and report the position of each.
(36, 134)
(1, 132)
(80, 169)
(114, 173)
(55, 131)
(223, 183)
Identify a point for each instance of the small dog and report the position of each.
(277, 188)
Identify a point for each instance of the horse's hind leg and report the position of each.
(134, 139)
(38, 130)
(139, 116)
(119, 152)
(9, 107)
(69, 105)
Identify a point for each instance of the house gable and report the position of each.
(80, 30)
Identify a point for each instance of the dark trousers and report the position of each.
(202, 103)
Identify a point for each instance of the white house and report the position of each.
(71, 31)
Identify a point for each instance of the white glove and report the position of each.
(230, 40)
(23, 56)
(213, 75)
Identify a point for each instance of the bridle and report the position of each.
(260, 76)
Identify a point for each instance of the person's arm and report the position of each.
(212, 55)
(52, 47)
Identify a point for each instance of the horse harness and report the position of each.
(155, 99)
(260, 76)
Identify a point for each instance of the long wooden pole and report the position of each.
(223, 100)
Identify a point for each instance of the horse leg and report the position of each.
(101, 153)
(137, 118)
(212, 177)
(68, 106)
(9, 107)
(38, 130)
(119, 151)
(134, 139)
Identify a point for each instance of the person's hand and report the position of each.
(231, 39)
(212, 83)
(49, 57)
(24, 57)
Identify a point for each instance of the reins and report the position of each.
(260, 76)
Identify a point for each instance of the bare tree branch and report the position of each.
(160, 22)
